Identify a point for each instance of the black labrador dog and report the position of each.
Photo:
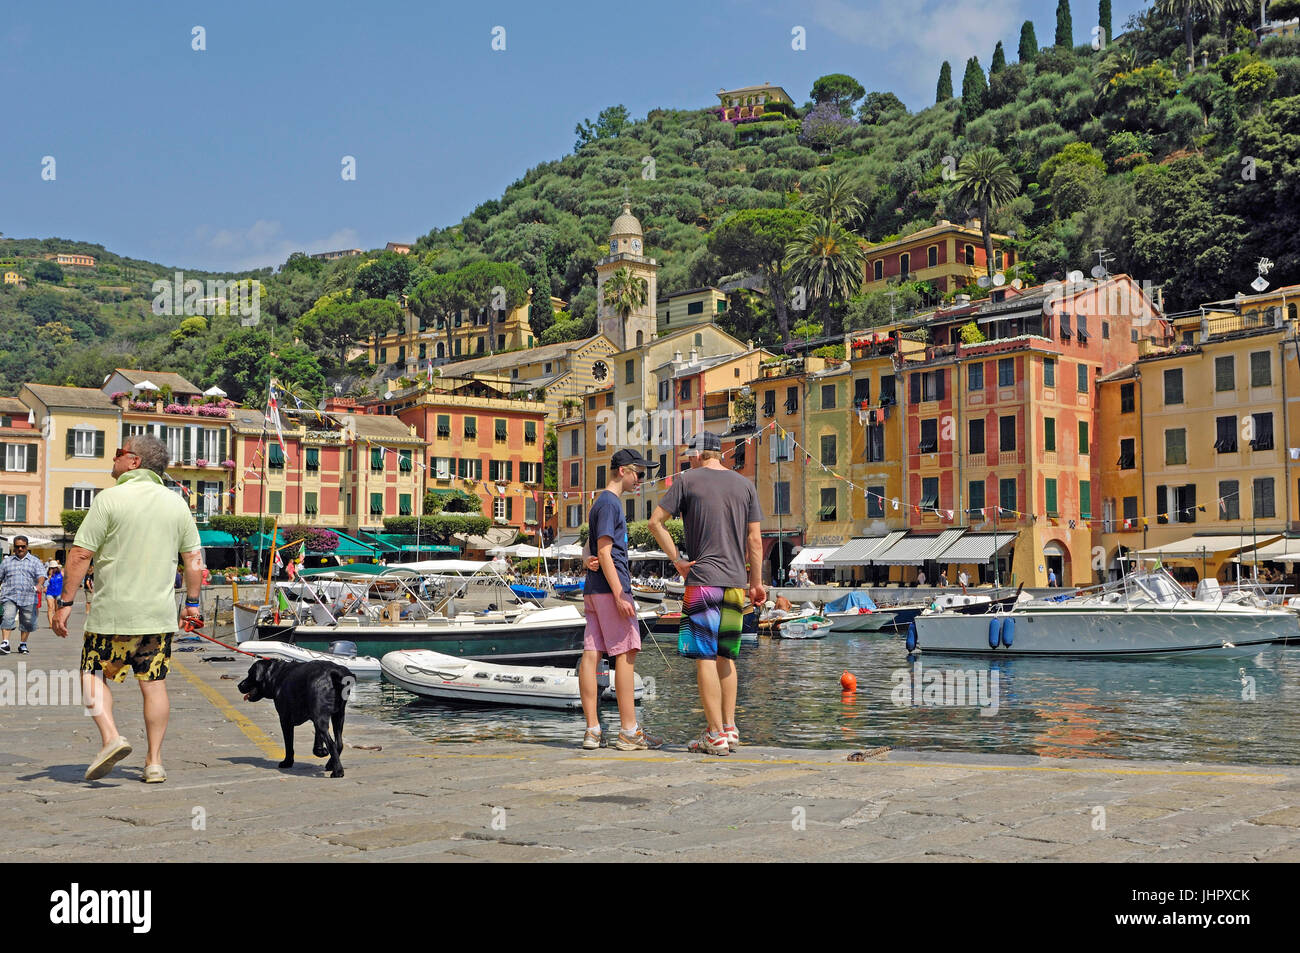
(315, 691)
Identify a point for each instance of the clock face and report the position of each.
(613, 246)
(636, 246)
(599, 370)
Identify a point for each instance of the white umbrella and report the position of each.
(214, 391)
(145, 385)
(647, 554)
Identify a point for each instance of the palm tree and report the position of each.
(1188, 11)
(985, 179)
(624, 292)
(826, 260)
(834, 197)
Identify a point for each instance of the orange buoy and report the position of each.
(849, 682)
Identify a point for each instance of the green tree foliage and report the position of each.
(839, 90)
(384, 277)
(834, 196)
(881, 107)
(1284, 10)
(1064, 24)
(611, 122)
(985, 180)
(1252, 83)
(943, 91)
(827, 262)
(1028, 49)
(755, 240)
(1190, 13)
(336, 323)
(71, 520)
(999, 62)
(551, 460)
(1104, 21)
(1268, 204)
(48, 271)
(974, 89)
(243, 362)
(624, 292)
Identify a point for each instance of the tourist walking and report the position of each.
(720, 511)
(612, 626)
(134, 530)
(1051, 578)
(53, 589)
(22, 586)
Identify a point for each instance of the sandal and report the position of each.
(154, 774)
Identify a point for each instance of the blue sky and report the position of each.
(231, 157)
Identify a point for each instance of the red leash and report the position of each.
(193, 625)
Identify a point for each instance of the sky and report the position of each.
(231, 157)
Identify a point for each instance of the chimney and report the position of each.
(961, 300)
(677, 357)
(695, 356)
(749, 344)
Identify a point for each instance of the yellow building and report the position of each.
(13, 278)
(474, 332)
(684, 309)
(81, 427)
(947, 255)
(749, 102)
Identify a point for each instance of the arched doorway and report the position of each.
(1056, 559)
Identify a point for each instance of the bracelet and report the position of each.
(193, 604)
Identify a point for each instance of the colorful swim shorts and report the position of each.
(149, 656)
(711, 622)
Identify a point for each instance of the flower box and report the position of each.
(208, 410)
(228, 464)
(140, 405)
(179, 409)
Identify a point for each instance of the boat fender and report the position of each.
(1008, 632)
(911, 636)
(995, 632)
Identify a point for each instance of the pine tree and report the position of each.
(943, 92)
(999, 60)
(974, 89)
(1104, 21)
(1064, 25)
(1028, 42)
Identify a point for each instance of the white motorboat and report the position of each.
(806, 627)
(434, 675)
(647, 592)
(674, 589)
(856, 612)
(363, 666)
(1146, 613)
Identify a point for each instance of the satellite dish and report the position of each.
(388, 395)
(983, 281)
(1099, 271)
(1260, 283)
(1074, 277)
(1017, 283)
(999, 280)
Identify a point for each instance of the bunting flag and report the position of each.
(1223, 506)
(273, 411)
(947, 514)
(429, 375)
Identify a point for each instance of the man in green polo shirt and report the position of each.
(133, 531)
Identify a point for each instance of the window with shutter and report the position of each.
(1049, 488)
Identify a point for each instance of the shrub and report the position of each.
(71, 520)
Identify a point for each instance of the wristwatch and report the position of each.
(66, 605)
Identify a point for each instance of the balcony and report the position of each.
(716, 411)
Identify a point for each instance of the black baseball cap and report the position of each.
(630, 458)
(705, 440)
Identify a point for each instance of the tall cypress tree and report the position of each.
(974, 89)
(999, 60)
(1103, 21)
(540, 315)
(1028, 42)
(1064, 25)
(943, 92)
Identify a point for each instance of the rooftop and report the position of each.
(494, 362)
(88, 398)
(178, 384)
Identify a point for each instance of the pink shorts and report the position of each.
(608, 630)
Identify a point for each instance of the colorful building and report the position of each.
(828, 503)
(22, 467)
(684, 309)
(750, 102)
(81, 430)
(948, 256)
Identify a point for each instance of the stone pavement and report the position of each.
(407, 799)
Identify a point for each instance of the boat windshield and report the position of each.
(1161, 587)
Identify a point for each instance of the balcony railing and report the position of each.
(716, 411)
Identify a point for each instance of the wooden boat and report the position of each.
(647, 593)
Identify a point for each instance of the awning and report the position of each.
(351, 546)
(858, 551)
(429, 548)
(915, 550)
(1282, 551)
(977, 548)
(1054, 549)
(1203, 547)
(214, 537)
(384, 542)
(563, 541)
(812, 557)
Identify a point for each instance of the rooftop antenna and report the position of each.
(1263, 267)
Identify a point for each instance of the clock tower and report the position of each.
(626, 250)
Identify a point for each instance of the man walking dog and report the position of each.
(722, 520)
(134, 531)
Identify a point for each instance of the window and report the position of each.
(1084, 442)
(1066, 332)
(274, 505)
(769, 403)
(591, 403)
(878, 270)
(828, 450)
(499, 508)
(376, 504)
(1105, 330)
(1081, 331)
(444, 426)
(1264, 497)
(1261, 369)
(1049, 493)
(530, 431)
(665, 391)
(600, 437)
(1126, 398)
(573, 443)
(19, 457)
(471, 428)
(573, 516)
(1127, 454)
(600, 477)
(85, 443)
(929, 436)
(1263, 429)
(779, 449)
(1083, 378)
(404, 504)
(376, 459)
(828, 397)
(781, 498)
(1007, 433)
(1225, 434)
(929, 493)
(309, 504)
(468, 468)
(887, 396)
(975, 377)
(1049, 434)
(500, 430)
(629, 372)
(573, 474)
(738, 456)
(404, 462)
(1174, 386)
(442, 468)
(14, 508)
(686, 390)
(1006, 372)
(904, 264)
(875, 443)
(313, 459)
(827, 510)
(975, 493)
(862, 391)
(695, 307)
(969, 251)
(875, 502)
(1230, 494)
(274, 456)
(530, 510)
(1175, 446)
(792, 400)
(1007, 497)
(78, 498)
(1049, 372)
(1225, 373)
(932, 256)
(975, 428)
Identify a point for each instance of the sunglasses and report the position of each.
(121, 452)
(20, 545)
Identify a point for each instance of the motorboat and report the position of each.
(805, 627)
(647, 592)
(1146, 613)
(674, 589)
(447, 678)
(856, 612)
(363, 666)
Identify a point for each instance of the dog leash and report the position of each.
(192, 626)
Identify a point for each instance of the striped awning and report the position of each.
(1203, 547)
(915, 550)
(858, 551)
(812, 557)
(977, 548)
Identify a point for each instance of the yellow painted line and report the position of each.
(254, 733)
(1064, 769)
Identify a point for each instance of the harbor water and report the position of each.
(1210, 710)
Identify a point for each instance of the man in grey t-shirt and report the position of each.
(720, 511)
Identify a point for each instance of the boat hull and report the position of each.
(1135, 633)
(362, 666)
(862, 621)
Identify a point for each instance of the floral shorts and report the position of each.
(149, 656)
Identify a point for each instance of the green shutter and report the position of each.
(510, 470)
(530, 429)
(1051, 497)
(72, 442)
(20, 509)
(376, 459)
(1049, 434)
(67, 498)
(31, 457)
(221, 446)
(1083, 436)
(1085, 499)
(510, 508)
(186, 445)
(99, 443)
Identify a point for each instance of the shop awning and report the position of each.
(812, 557)
(915, 550)
(1203, 547)
(1282, 551)
(384, 542)
(214, 537)
(429, 548)
(858, 551)
(977, 548)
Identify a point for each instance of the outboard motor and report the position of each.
(343, 647)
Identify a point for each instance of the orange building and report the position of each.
(22, 467)
(947, 255)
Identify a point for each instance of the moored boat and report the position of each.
(856, 612)
(805, 627)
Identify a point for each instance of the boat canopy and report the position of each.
(444, 566)
(854, 599)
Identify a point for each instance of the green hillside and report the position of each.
(1185, 180)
